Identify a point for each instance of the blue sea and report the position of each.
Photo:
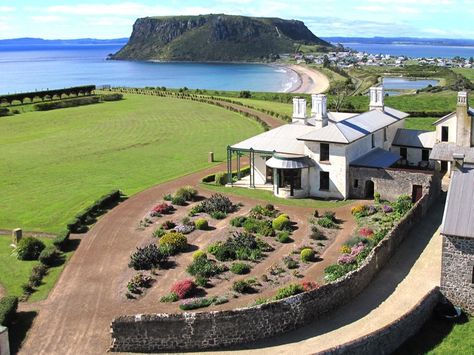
(32, 68)
(413, 50)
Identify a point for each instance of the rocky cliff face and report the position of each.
(214, 38)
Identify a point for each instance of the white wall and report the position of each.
(260, 170)
(451, 124)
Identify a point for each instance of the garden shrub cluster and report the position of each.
(328, 220)
(218, 206)
(61, 239)
(244, 286)
(212, 177)
(173, 242)
(307, 255)
(161, 209)
(241, 246)
(282, 222)
(8, 306)
(88, 216)
(111, 97)
(240, 268)
(29, 248)
(138, 282)
(188, 193)
(183, 288)
(49, 256)
(289, 290)
(201, 224)
(199, 254)
(204, 268)
(148, 257)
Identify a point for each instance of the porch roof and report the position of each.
(376, 158)
(289, 163)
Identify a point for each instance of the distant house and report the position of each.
(454, 135)
(457, 273)
(314, 156)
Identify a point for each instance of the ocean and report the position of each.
(413, 50)
(30, 68)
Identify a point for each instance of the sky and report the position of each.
(56, 19)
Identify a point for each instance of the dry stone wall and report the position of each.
(205, 330)
(457, 271)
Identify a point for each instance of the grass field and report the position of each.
(424, 123)
(16, 272)
(468, 73)
(55, 163)
(441, 337)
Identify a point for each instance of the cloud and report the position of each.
(6, 9)
(109, 21)
(47, 19)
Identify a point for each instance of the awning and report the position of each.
(289, 163)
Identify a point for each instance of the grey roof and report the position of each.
(414, 138)
(376, 158)
(356, 127)
(444, 152)
(282, 139)
(289, 163)
(458, 219)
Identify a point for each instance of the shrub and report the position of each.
(327, 223)
(175, 242)
(183, 288)
(147, 258)
(178, 200)
(309, 285)
(79, 101)
(262, 227)
(198, 254)
(345, 249)
(377, 197)
(168, 197)
(402, 205)
(336, 271)
(387, 209)
(330, 215)
(202, 267)
(161, 208)
(240, 268)
(61, 239)
(216, 203)
(139, 281)
(259, 211)
(167, 225)
(49, 256)
(238, 221)
(201, 224)
(201, 281)
(159, 232)
(241, 246)
(287, 291)
(189, 193)
(111, 97)
(29, 248)
(284, 237)
(244, 286)
(366, 232)
(307, 254)
(8, 306)
(316, 233)
(290, 263)
(218, 215)
(282, 222)
(171, 297)
(221, 179)
(195, 303)
(358, 209)
(184, 228)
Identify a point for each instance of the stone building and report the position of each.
(457, 272)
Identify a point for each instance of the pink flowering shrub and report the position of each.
(366, 232)
(351, 258)
(161, 208)
(183, 288)
(309, 285)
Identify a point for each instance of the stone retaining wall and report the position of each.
(205, 330)
(4, 344)
(389, 338)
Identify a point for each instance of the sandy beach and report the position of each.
(311, 80)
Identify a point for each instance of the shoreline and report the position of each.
(311, 81)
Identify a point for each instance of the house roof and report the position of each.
(376, 158)
(458, 219)
(414, 138)
(470, 111)
(355, 127)
(289, 163)
(444, 152)
(282, 139)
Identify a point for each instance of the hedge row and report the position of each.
(79, 101)
(212, 177)
(8, 306)
(111, 97)
(4, 111)
(83, 219)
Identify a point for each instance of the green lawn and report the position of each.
(423, 123)
(441, 337)
(279, 107)
(270, 198)
(55, 163)
(16, 272)
(468, 73)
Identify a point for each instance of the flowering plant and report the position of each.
(366, 232)
(309, 285)
(161, 208)
(387, 209)
(183, 288)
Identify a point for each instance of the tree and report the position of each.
(326, 62)
(340, 90)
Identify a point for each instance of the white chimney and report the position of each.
(299, 109)
(319, 109)
(376, 98)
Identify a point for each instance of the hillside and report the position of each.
(214, 38)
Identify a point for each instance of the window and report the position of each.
(324, 152)
(403, 152)
(289, 178)
(373, 141)
(356, 183)
(444, 134)
(324, 180)
(385, 134)
(425, 155)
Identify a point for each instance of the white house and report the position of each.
(312, 155)
(454, 135)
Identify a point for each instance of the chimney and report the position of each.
(464, 134)
(319, 109)
(376, 98)
(299, 109)
(458, 160)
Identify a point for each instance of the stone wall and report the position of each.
(204, 330)
(391, 183)
(457, 271)
(4, 344)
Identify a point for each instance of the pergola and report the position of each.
(240, 153)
